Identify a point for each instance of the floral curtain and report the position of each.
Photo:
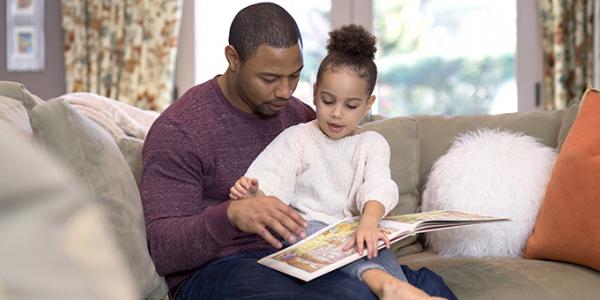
(123, 50)
(568, 52)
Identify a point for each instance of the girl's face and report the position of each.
(341, 100)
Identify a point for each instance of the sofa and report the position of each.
(97, 176)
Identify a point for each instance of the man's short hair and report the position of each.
(262, 23)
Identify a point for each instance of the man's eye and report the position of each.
(268, 80)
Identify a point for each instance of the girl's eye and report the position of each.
(327, 102)
(351, 107)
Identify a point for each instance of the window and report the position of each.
(435, 56)
(446, 56)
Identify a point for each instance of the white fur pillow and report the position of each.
(491, 172)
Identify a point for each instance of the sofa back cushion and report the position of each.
(401, 134)
(131, 148)
(18, 92)
(567, 123)
(436, 133)
(14, 114)
(94, 157)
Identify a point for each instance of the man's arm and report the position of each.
(184, 229)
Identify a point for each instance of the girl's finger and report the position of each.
(244, 182)
(239, 191)
(360, 242)
(349, 244)
(387, 241)
(373, 244)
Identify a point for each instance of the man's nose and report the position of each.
(284, 89)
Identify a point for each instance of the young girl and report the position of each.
(330, 168)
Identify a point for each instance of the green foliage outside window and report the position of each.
(414, 79)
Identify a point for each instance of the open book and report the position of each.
(321, 252)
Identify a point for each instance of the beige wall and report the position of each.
(50, 82)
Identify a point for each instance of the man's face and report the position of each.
(266, 80)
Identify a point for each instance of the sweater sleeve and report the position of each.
(276, 166)
(378, 184)
(184, 230)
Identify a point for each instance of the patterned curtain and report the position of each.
(568, 52)
(123, 50)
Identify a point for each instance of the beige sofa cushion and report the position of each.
(94, 157)
(131, 148)
(401, 135)
(509, 277)
(18, 92)
(55, 245)
(14, 114)
(567, 123)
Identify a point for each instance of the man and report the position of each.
(204, 244)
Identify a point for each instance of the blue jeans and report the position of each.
(241, 277)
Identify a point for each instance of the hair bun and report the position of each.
(352, 40)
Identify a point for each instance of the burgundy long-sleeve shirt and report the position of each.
(192, 155)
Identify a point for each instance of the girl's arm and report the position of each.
(368, 233)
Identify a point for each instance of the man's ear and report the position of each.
(233, 59)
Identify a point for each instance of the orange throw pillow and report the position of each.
(568, 226)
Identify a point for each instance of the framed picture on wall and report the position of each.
(25, 35)
(23, 7)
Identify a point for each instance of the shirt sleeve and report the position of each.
(184, 230)
(276, 167)
(378, 184)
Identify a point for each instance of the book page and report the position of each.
(322, 251)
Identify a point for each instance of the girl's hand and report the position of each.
(369, 234)
(245, 187)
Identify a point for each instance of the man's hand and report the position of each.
(257, 215)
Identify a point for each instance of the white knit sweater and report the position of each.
(325, 179)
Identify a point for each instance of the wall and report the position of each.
(50, 82)
(185, 62)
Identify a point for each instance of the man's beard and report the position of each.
(264, 110)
